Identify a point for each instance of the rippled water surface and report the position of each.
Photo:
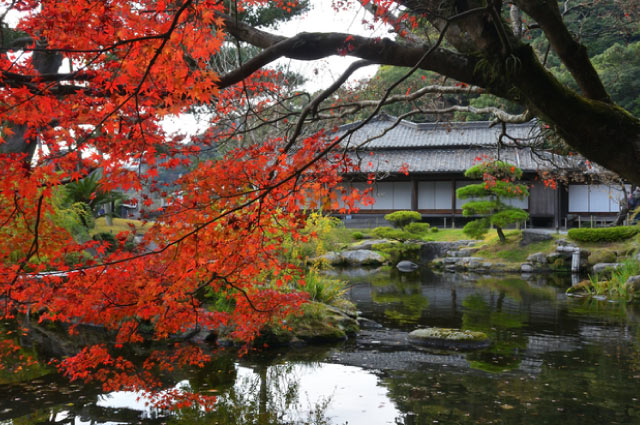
(553, 360)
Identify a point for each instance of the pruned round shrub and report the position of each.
(605, 234)
(357, 235)
(434, 230)
(417, 228)
(477, 228)
(390, 233)
(402, 218)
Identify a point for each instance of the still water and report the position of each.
(554, 360)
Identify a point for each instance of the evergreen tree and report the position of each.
(499, 183)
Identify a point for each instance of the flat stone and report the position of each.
(406, 266)
(474, 263)
(530, 236)
(449, 339)
(361, 257)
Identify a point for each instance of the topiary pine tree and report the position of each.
(499, 184)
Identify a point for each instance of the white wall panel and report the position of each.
(599, 198)
(426, 195)
(443, 195)
(402, 195)
(578, 198)
(383, 194)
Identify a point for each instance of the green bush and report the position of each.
(477, 228)
(605, 234)
(389, 233)
(417, 228)
(434, 230)
(357, 235)
(401, 218)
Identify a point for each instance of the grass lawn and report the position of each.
(119, 225)
(511, 250)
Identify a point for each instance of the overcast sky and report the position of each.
(323, 18)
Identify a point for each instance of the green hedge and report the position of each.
(605, 234)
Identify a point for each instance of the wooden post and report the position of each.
(453, 203)
(414, 195)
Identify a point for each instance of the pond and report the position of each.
(553, 359)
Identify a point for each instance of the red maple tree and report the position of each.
(128, 66)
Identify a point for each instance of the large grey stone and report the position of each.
(604, 267)
(537, 258)
(333, 258)
(530, 236)
(632, 285)
(361, 257)
(406, 266)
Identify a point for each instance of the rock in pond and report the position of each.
(406, 266)
(360, 257)
(449, 339)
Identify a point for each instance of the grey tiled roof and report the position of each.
(443, 147)
(407, 135)
(448, 160)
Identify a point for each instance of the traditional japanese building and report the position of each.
(419, 167)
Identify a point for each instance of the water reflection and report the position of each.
(553, 360)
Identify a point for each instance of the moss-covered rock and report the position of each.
(449, 339)
(602, 255)
(317, 323)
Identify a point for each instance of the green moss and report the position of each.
(603, 255)
(449, 334)
(317, 323)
